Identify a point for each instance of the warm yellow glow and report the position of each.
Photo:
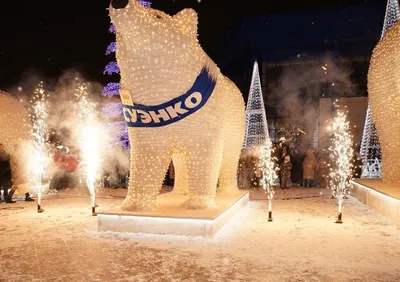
(90, 137)
(384, 98)
(91, 153)
(159, 57)
(14, 122)
(39, 157)
(341, 154)
(268, 170)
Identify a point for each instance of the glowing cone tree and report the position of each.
(257, 137)
(341, 154)
(370, 146)
(370, 149)
(256, 120)
(392, 15)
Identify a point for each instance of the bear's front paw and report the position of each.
(132, 204)
(178, 191)
(200, 203)
(128, 204)
(228, 190)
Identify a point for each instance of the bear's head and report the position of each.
(142, 31)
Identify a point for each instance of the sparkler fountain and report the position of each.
(39, 152)
(268, 170)
(341, 152)
(89, 138)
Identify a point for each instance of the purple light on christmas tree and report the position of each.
(111, 48)
(116, 129)
(112, 29)
(111, 89)
(112, 110)
(111, 67)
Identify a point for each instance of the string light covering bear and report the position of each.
(14, 122)
(177, 105)
(384, 98)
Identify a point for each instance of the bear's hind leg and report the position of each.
(203, 169)
(147, 171)
(181, 185)
(228, 177)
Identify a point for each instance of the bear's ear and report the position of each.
(187, 22)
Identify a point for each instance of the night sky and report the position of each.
(49, 37)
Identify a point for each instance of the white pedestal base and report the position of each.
(384, 198)
(172, 218)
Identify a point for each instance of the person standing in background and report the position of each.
(5, 174)
(322, 171)
(19, 180)
(309, 164)
(71, 162)
(285, 173)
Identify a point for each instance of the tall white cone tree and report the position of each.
(370, 149)
(257, 137)
(392, 15)
(256, 120)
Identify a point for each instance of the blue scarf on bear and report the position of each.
(174, 110)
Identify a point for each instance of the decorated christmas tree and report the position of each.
(255, 158)
(370, 146)
(256, 120)
(370, 149)
(112, 111)
(392, 15)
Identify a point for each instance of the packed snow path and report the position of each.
(302, 243)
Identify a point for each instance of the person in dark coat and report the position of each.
(282, 153)
(296, 159)
(5, 174)
(285, 171)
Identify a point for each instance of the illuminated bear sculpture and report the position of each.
(177, 106)
(14, 122)
(384, 98)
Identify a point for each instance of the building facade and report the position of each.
(305, 58)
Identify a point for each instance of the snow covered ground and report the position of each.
(302, 243)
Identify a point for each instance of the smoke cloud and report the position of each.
(299, 88)
(63, 119)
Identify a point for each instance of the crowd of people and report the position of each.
(12, 177)
(64, 171)
(65, 166)
(308, 169)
